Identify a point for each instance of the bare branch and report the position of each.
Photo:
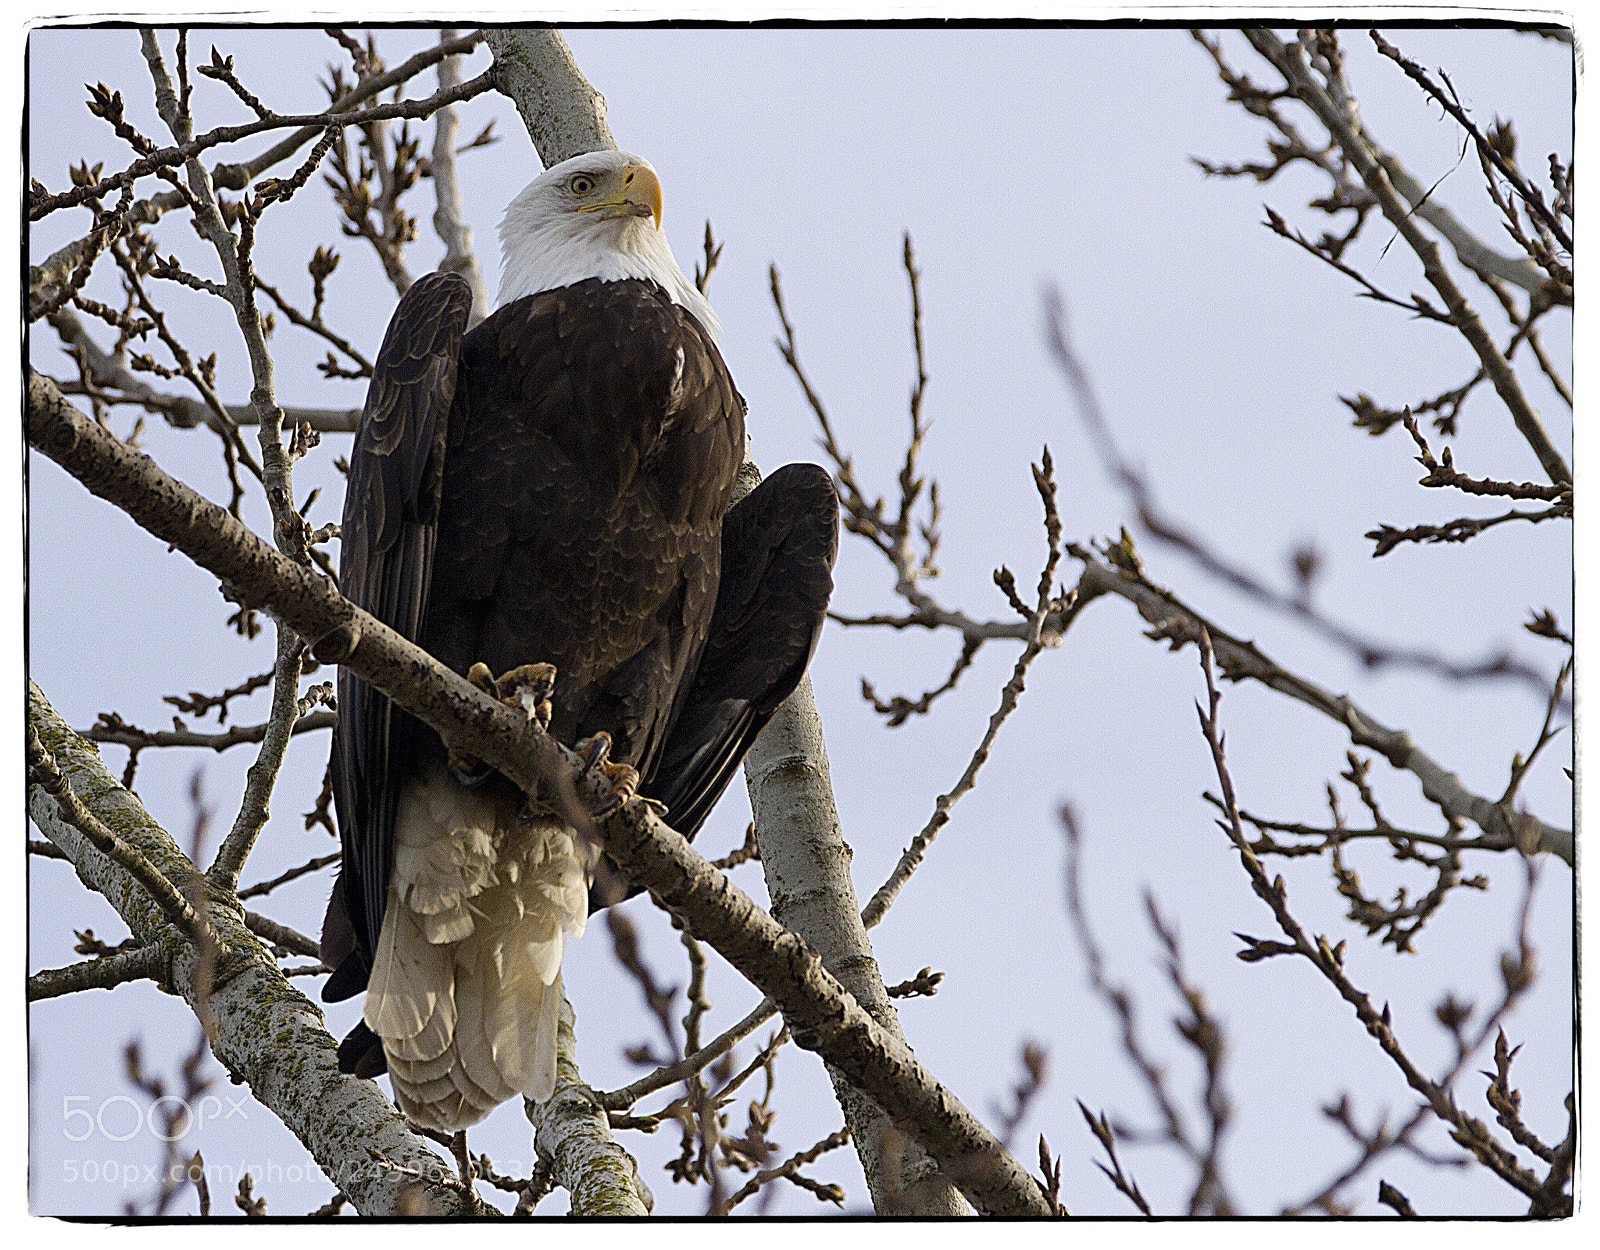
(312, 124)
(1371, 653)
(292, 874)
(111, 728)
(1468, 1132)
(143, 963)
(447, 219)
(1176, 624)
(565, 116)
(1289, 60)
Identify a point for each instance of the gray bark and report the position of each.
(564, 115)
(267, 1034)
(572, 1134)
(807, 866)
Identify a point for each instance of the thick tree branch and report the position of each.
(572, 1134)
(564, 115)
(165, 891)
(823, 1015)
(807, 866)
(266, 1033)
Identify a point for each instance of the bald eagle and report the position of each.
(547, 489)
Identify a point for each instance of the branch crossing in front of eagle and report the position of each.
(528, 689)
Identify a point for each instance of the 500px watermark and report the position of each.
(218, 1176)
(120, 1118)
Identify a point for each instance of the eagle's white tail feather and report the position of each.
(466, 982)
(408, 995)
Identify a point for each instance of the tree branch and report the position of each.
(143, 963)
(823, 1015)
(59, 266)
(564, 115)
(266, 1033)
(573, 1137)
(1176, 624)
(447, 219)
(165, 890)
(1289, 60)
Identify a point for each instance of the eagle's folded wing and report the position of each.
(778, 548)
(387, 537)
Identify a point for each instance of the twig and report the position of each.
(1126, 1185)
(1519, 765)
(881, 901)
(292, 874)
(42, 771)
(143, 963)
(1176, 623)
(789, 1170)
(111, 728)
(1035, 1067)
(746, 851)
(671, 1074)
(924, 985)
(1371, 653)
(1467, 1131)
(282, 936)
(1416, 305)
(1152, 1074)
(1442, 473)
(314, 123)
(1386, 538)
(1392, 1197)
(1289, 60)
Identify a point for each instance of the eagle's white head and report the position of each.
(595, 216)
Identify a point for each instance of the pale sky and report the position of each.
(1016, 159)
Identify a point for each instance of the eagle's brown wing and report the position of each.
(778, 548)
(386, 563)
(548, 487)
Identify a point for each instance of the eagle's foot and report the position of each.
(527, 689)
(594, 750)
(480, 676)
(623, 785)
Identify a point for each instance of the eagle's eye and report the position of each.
(580, 184)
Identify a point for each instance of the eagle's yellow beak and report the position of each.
(640, 197)
(642, 188)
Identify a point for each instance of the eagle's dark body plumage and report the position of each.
(551, 486)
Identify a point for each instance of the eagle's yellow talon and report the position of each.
(623, 781)
(480, 676)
